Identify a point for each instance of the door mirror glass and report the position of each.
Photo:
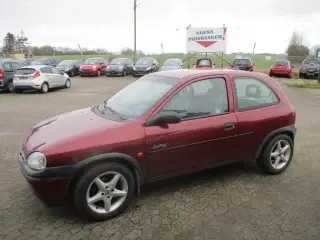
(164, 118)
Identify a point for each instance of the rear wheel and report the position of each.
(98, 73)
(277, 154)
(105, 191)
(44, 88)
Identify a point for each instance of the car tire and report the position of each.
(98, 73)
(44, 88)
(274, 159)
(71, 73)
(93, 186)
(10, 87)
(68, 83)
(270, 75)
(124, 73)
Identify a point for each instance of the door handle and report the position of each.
(229, 126)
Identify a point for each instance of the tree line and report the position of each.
(296, 51)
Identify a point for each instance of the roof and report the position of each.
(186, 73)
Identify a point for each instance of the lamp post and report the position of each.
(135, 30)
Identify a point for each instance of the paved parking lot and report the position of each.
(232, 202)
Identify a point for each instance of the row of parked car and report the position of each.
(124, 66)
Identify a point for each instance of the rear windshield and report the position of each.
(242, 61)
(281, 63)
(311, 61)
(203, 62)
(25, 71)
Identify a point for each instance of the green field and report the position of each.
(260, 62)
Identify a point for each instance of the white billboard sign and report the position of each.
(207, 40)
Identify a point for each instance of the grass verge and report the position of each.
(303, 84)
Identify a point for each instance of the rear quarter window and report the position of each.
(6, 67)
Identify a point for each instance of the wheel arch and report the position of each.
(289, 130)
(124, 159)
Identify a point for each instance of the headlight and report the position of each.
(149, 68)
(120, 67)
(134, 68)
(94, 67)
(37, 161)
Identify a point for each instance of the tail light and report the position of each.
(250, 65)
(1, 74)
(233, 65)
(36, 74)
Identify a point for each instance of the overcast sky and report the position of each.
(109, 23)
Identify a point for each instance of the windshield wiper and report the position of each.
(112, 110)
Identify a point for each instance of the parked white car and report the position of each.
(40, 78)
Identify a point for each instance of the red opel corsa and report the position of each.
(164, 124)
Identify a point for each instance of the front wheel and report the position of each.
(105, 191)
(10, 87)
(124, 73)
(67, 84)
(277, 154)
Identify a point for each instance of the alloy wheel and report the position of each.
(107, 192)
(280, 154)
(68, 83)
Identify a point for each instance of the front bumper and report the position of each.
(49, 185)
(280, 72)
(140, 72)
(88, 72)
(27, 85)
(114, 72)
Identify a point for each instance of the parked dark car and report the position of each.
(70, 67)
(164, 124)
(172, 63)
(28, 61)
(7, 69)
(281, 69)
(93, 67)
(120, 67)
(204, 63)
(244, 64)
(45, 61)
(309, 68)
(144, 66)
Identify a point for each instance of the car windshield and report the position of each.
(281, 63)
(204, 62)
(39, 62)
(66, 63)
(242, 61)
(144, 61)
(117, 61)
(92, 61)
(172, 62)
(140, 96)
(312, 61)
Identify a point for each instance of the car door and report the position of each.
(205, 135)
(256, 108)
(57, 78)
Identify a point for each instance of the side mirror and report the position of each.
(164, 118)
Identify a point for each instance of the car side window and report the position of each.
(55, 71)
(252, 93)
(203, 98)
(7, 67)
(46, 70)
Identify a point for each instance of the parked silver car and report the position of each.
(172, 63)
(40, 78)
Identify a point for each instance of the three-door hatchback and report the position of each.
(164, 124)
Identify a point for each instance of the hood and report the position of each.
(142, 66)
(88, 66)
(164, 68)
(64, 128)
